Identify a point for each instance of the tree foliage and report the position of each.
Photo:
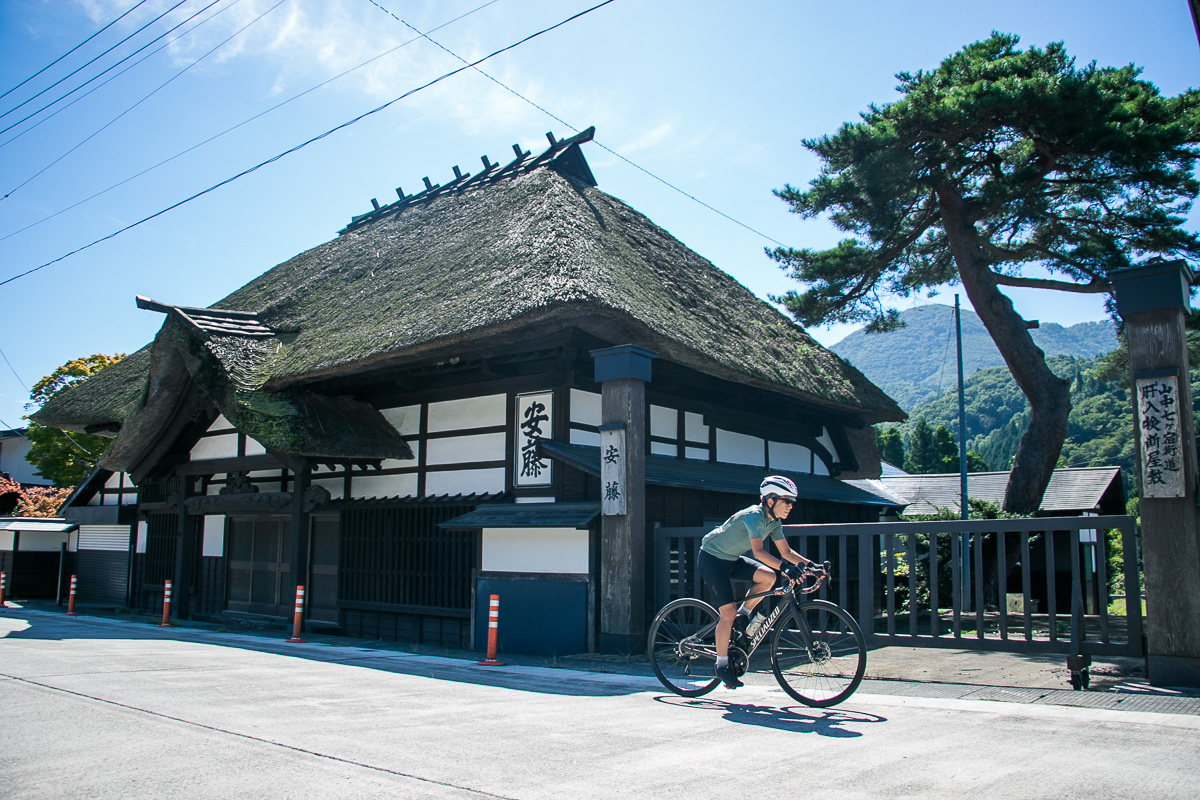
(33, 501)
(927, 450)
(65, 458)
(999, 160)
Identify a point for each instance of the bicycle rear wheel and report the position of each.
(682, 647)
(819, 654)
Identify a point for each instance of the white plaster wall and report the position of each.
(738, 448)
(41, 542)
(114, 481)
(223, 446)
(335, 486)
(253, 448)
(694, 428)
(12, 460)
(585, 437)
(585, 407)
(663, 449)
(827, 440)
(698, 453)
(405, 419)
(214, 535)
(788, 457)
(462, 449)
(465, 481)
(382, 485)
(664, 422)
(221, 424)
(819, 467)
(470, 412)
(143, 531)
(6, 541)
(535, 550)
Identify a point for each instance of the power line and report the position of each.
(153, 92)
(306, 143)
(112, 78)
(105, 71)
(560, 120)
(240, 124)
(73, 49)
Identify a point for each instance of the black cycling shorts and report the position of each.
(719, 575)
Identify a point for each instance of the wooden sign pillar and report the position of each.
(623, 373)
(1152, 300)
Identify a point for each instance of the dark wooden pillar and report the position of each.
(185, 550)
(1152, 300)
(299, 533)
(623, 373)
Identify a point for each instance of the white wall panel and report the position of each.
(214, 536)
(589, 438)
(694, 428)
(382, 486)
(470, 412)
(42, 542)
(790, 457)
(585, 407)
(405, 419)
(827, 440)
(535, 550)
(465, 449)
(223, 446)
(253, 448)
(663, 449)
(698, 453)
(664, 422)
(335, 486)
(143, 531)
(221, 424)
(465, 481)
(738, 448)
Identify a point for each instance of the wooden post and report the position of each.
(623, 373)
(298, 546)
(1152, 300)
(185, 549)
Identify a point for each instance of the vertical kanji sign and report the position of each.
(612, 471)
(535, 413)
(1158, 427)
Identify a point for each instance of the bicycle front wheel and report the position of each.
(819, 654)
(682, 647)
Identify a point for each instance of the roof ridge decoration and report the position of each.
(562, 153)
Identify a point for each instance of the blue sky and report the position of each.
(711, 97)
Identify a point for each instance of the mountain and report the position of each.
(918, 361)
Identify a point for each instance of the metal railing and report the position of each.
(1029, 585)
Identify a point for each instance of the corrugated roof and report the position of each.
(688, 473)
(526, 515)
(36, 524)
(1071, 490)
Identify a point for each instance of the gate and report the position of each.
(1024, 585)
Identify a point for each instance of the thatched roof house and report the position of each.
(489, 258)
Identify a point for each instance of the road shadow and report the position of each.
(795, 719)
(26, 624)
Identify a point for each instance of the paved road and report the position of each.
(101, 709)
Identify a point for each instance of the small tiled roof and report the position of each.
(1071, 490)
(526, 515)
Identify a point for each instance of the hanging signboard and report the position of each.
(612, 471)
(535, 412)
(1158, 427)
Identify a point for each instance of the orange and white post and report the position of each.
(3, 587)
(166, 618)
(493, 626)
(298, 621)
(71, 599)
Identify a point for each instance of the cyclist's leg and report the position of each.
(763, 580)
(717, 575)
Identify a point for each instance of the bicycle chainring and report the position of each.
(738, 660)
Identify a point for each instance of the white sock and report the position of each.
(722, 661)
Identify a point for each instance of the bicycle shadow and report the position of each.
(823, 722)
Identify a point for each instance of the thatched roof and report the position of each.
(493, 258)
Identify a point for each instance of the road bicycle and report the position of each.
(818, 653)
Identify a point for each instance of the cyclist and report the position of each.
(736, 551)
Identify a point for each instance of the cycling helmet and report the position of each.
(778, 486)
